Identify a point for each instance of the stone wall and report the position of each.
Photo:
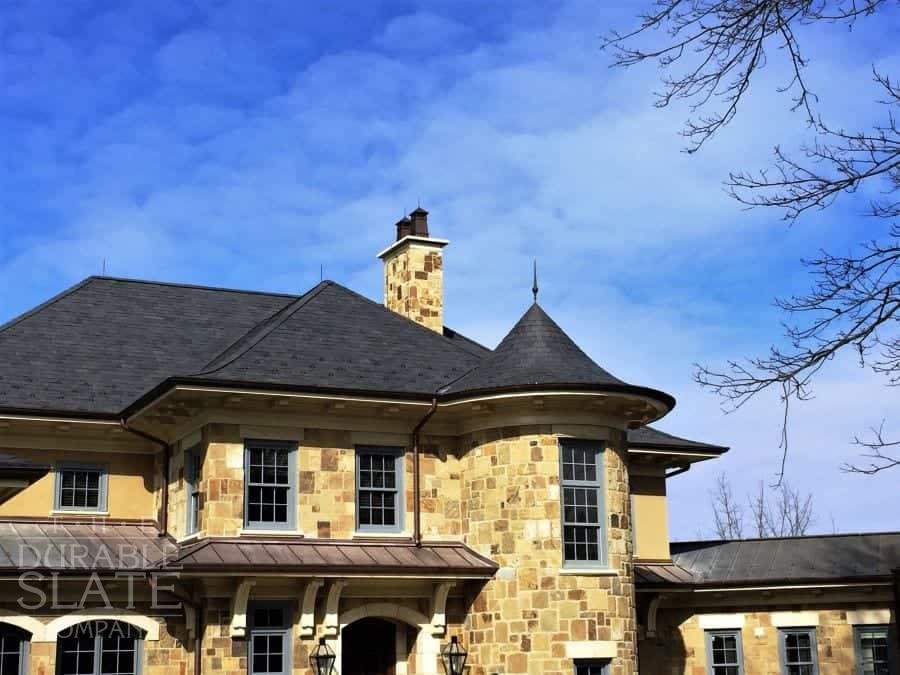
(326, 486)
(171, 654)
(521, 621)
(413, 284)
(679, 647)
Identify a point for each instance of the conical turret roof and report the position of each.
(536, 354)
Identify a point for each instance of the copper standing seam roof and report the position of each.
(661, 574)
(79, 546)
(320, 556)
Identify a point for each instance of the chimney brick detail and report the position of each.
(414, 274)
(414, 283)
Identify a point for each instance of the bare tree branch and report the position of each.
(727, 512)
(720, 44)
(854, 303)
(784, 512)
(710, 51)
(877, 456)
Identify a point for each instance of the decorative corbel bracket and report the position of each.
(190, 620)
(651, 616)
(308, 608)
(439, 608)
(239, 608)
(332, 608)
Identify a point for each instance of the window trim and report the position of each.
(710, 634)
(24, 644)
(98, 647)
(399, 455)
(193, 467)
(286, 631)
(103, 497)
(291, 448)
(599, 446)
(857, 650)
(782, 646)
(581, 663)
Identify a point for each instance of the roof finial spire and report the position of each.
(534, 287)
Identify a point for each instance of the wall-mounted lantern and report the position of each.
(322, 659)
(454, 657)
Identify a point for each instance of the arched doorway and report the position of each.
(369, 647)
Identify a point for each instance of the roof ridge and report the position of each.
(199, 287)
(260, 331)
(400, 316)
(47, 303)
(831, 535)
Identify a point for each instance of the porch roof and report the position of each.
(80, 546)
(283, 555)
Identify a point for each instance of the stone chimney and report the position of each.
(414, 272)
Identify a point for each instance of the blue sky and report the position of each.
(246, 144)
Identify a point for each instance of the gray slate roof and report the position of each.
(332, 338)
(649, 437)
(103, 344)
(538, 353)
(790, 559)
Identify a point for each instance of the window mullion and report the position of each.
(98, 654)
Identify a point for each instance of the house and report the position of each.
(199, 480)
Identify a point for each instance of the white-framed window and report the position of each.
(269, 644)
(798, 651)
(100, 648)
(270, 485)
(379, 489)
(724, 653)
(192, 464)
(80, 487)
(873, 650)
(582, 491)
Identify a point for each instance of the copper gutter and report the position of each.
(417, 497)
(167, 458)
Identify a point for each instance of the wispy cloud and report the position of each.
(248, 144)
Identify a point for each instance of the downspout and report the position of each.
(417, 498)
(198, 638)
(166, 450)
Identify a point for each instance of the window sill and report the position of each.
(81, 514)
(404, 536)
(188, 539)
(588, 571)
(245, 532)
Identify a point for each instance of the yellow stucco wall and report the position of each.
(130, 488)
(679, 647)
(651, 517)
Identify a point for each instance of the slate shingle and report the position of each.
(100, 346)
(649, 437)
(536, 353)
(335, 339)
(809, 558)
(103, 343)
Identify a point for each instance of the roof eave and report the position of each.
(667, 400)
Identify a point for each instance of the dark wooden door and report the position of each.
(369, 647)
